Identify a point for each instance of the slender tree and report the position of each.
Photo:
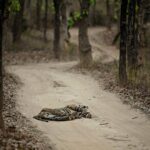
(28, 12)
(92, 14)
(45, 20)
(56, 45)
(85, 50)
(2, 9)
(108, 10)
(123, 42)
(64, 36)
(116, 4)
(64, 21)
(132, 52)
(141, 29)
(61, 27)
(28, 3)
(142, 6)
(18, 23)
(38, 13)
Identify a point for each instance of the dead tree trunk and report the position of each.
(56, 45)
(123, 43)
(45, 20)
(85, 50)
(2, 8)
(18, 23)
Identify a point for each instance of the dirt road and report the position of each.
(100, 50)
(114, 126)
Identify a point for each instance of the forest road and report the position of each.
(114, 126)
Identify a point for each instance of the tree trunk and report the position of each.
(45, 20)
(141, 32)
(92, 14)
(141, 28)
(64, 38)
(108, 10)
(2, 8)
(56, 45)
(85, 50)
(18, 23)
(38, 14)
(117, 13)
(64, 21)
(28, 12)
(28, 3)
(116, 38)
(132, 52)
(123, 41)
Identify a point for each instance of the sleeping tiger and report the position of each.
(70, 112)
